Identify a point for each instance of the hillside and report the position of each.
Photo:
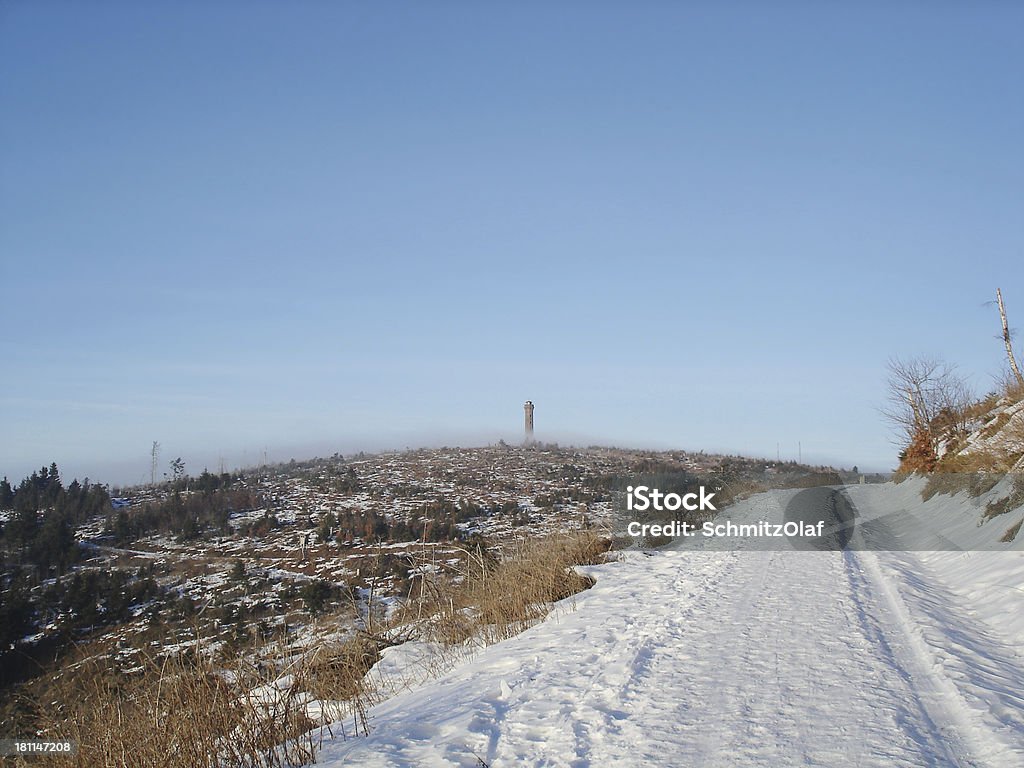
(248, 576)
(998, 436)
(513, 639)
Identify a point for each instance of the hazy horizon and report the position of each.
(136, 471)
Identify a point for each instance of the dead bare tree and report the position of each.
(1006, 340)
(926, 397)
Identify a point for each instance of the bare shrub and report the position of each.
(927, 402)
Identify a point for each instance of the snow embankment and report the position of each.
(707, 656)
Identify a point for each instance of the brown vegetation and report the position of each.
(177, 710)
(492, 600)
(253, 708)
(920, 455)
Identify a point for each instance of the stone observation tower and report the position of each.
(528, 407)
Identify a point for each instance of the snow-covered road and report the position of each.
(695, 657)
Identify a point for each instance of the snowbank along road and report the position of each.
(704, 655)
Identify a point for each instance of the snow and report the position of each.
(410, 665)
(895, 518)
(699, 655)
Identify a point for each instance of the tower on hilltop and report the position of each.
(528, 407)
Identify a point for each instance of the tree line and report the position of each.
(40, 530)
(205, 510)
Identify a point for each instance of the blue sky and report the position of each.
(316, 227)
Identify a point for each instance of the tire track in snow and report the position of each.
(973, 731)
(796, 680)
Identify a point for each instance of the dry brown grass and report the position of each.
(1013, 439)
(996, 425)
(194, 710)
(493, 600)
(1012, 389)
(200, 710)
(519, 592)
(952, 483)
(977, 473)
